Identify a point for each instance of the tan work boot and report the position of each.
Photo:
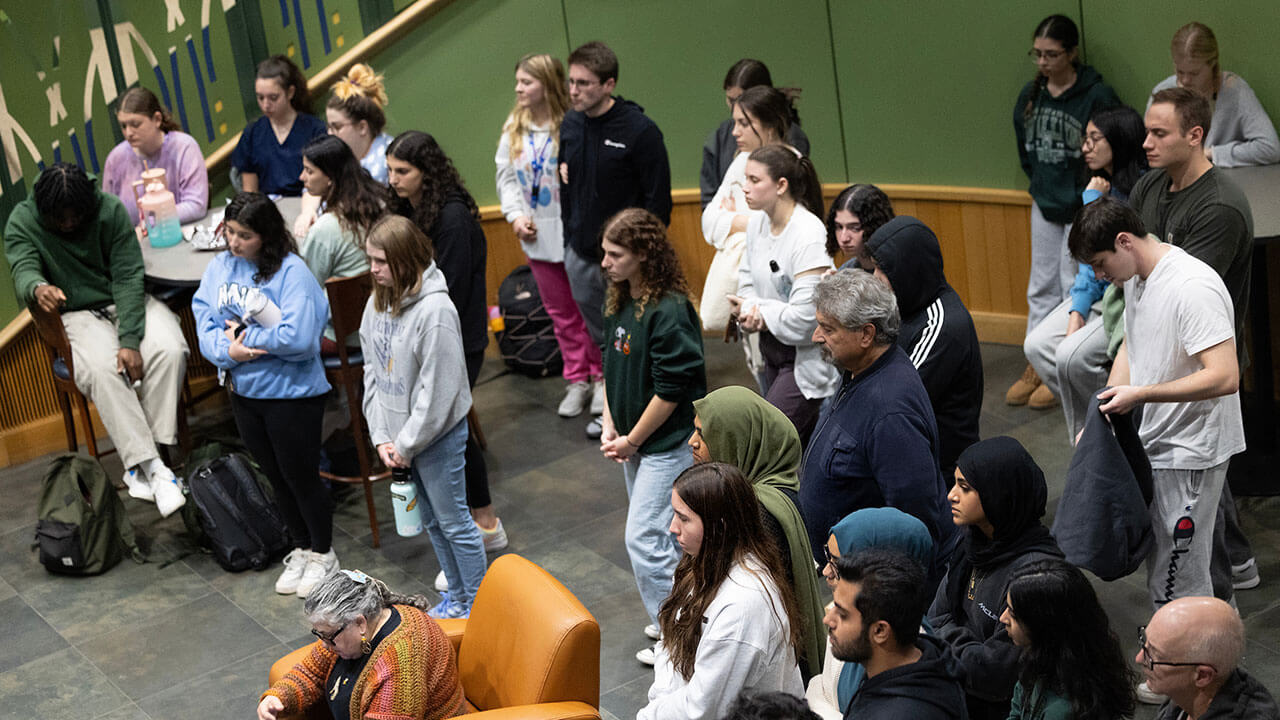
(1042, 398)
(1021, 390)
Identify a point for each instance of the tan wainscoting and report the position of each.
(985, 250)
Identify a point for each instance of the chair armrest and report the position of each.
(286, 663)
(453, 629)
(570, 710)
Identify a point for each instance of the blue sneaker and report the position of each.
(449, 608)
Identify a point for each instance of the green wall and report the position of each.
(916, 91)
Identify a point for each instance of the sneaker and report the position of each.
(442, 583)
(1042, 398)
(1020, 392)
(576, 399)
(652, 632)
(165, 489)
(597, 396)
(1146, 697)
(294, 563)
(448, 608)
(318, 566)
(648, 655)
(495, 539)
(595, 428)
(1245, 577)
(138, 486)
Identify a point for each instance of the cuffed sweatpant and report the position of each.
(136, 421)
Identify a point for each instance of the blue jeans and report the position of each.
(650, 545)
(440, 475)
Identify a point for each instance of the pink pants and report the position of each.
(581, 355)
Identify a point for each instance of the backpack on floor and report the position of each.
(527, 340)
(240, 523)
(82, 527)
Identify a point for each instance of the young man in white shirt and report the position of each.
(1179, 361)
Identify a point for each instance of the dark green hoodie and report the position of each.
(1049, 143)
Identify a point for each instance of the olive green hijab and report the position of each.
(741, 428)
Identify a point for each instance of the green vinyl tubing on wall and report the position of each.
(916, 91)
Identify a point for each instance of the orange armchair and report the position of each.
(529, 650)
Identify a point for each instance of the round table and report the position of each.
(182, 265)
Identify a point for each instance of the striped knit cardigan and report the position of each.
(411, 675)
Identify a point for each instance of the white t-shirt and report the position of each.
(767, 279)
(521, 185)
(745, 645)
(1181, 309)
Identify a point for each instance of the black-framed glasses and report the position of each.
(328, 637)
(831, 559)
(1049, 55)
(1150, 664)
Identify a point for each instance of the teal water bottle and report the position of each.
(404, 500)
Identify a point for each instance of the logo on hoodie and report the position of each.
(614, 144)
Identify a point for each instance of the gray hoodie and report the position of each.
(415, 378)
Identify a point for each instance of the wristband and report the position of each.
(628, 439)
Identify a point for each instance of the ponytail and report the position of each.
(784, 161)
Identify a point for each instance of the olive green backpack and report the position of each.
(82, 527)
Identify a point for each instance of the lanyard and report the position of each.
(537, 161)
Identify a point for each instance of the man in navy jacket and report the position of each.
(877, 445)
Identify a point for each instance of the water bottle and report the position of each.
(158, 209)
(404, 500)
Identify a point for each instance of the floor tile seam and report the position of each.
(192, 678)
(248, 614)
(105, 675)
(131, 703)
(84, 641)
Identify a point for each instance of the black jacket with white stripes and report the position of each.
(937, 332)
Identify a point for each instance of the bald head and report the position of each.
(1200, 629)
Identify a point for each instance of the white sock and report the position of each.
(151, 467)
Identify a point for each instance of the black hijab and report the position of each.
(1013, 493)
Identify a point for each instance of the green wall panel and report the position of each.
(672, 58)
(280, 23)
(928, 88)
(1130, 43)
(454, 77)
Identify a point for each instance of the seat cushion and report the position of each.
(60, 369)
(333, 362)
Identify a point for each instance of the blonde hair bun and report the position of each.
(361, 80)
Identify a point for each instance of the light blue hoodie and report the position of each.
(292, 367)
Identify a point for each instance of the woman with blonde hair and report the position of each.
(1240, 133)
(416, 397)
(529, 189)
(355, 114)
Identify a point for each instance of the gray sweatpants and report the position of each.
(1188, 538)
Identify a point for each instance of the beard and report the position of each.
(825, 352)
(857, 650)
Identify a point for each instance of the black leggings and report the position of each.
(283, 435)
(477, 471)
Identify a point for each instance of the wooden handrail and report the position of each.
(402, 23)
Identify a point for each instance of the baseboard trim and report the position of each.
(1000, 328)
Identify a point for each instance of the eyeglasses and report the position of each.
(1094, 139)
(328, 637)
(1150, 664)
(583, 83)
(831, 559)
(1049, 55)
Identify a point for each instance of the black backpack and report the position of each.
(240, 524)
(82, 527)
(527, 340)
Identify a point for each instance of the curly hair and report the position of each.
(355, 198)
(1073, 651)
(344, 595)
(440, 179)
(64, 192)
(360, 95)
(256, 212)
(641, 232)
(866, 202)
(732, 532)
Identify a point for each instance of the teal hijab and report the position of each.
(882, 528)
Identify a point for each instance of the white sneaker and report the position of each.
(495, 539)
(294, 563)
(442, 583)
(647, 656)
(576, 399)
(164, 487)
(1147, 697)
(595, 428)
(318, 566)
(652, 632)
(138, 486)
(597, 397)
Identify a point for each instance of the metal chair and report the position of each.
(347, 297)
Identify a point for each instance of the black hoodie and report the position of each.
(927, 689)
(616, 161)
(937, 332)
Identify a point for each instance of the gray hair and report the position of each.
(855, 298)
(344, 595)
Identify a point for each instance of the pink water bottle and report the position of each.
(157, 209)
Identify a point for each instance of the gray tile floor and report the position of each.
(187, 640)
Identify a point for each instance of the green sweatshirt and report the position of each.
(658, 354)
(101, 266)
